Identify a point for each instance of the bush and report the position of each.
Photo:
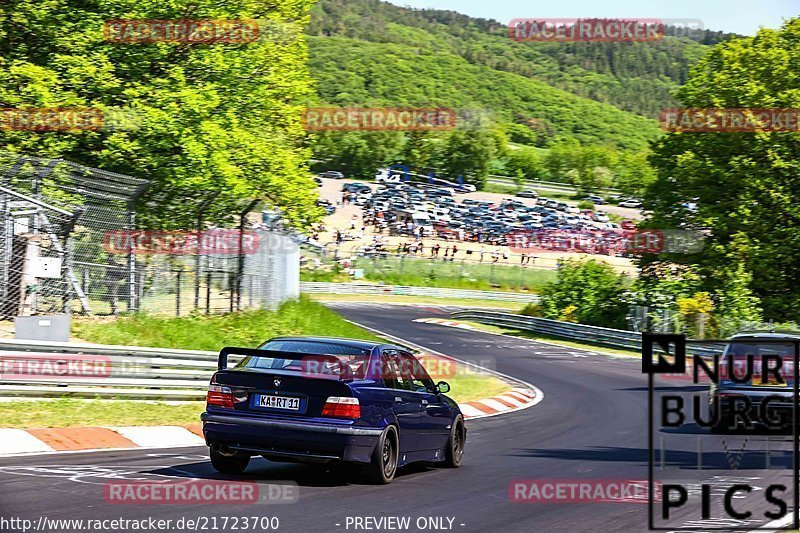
(585, 204)
(589, 292)
(532, 309)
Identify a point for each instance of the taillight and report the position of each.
(219, 396)
(342, 407)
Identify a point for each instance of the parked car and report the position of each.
(628, 225)
(325, 400)
(528, 193)
(356, 187)
(332, 174)
(631, 202)
(597, 200)
(600, 216)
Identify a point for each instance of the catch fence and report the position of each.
(70, 242)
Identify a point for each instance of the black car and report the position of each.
(332, 174)
(356, 188)
(737, 392)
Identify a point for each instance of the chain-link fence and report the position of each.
(643, 318)
(70, 243)
(473, 271)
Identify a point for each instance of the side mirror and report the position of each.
(443, 387)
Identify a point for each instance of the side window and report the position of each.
(392, 376)
(412, 370)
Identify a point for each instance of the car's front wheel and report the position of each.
(455, 444)
(229, 464)
(384, 459)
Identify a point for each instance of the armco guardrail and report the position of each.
(397, 290)
(55, 369)
(553, 186)
(613, 338)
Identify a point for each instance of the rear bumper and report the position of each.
(293, 440)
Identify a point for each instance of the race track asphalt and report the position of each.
(591, 425)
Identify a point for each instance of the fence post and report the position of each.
(208, 292)
(179, 274)
(701, 325)
(197, 259)
(240, 263)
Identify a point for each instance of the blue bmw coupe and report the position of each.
(321, 400)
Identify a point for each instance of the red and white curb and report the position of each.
(73, 439)
(444, 322)
(519, 398)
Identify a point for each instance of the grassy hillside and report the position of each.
(632, 76)
(351, 72)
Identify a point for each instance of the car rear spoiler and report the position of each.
(222, 362)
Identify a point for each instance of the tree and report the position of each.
(745, 185)
(633, 173)
(528, 161)
(590, 291)
(200, 119)
(469, 153)
(360, 154)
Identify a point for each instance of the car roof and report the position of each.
(767, 335)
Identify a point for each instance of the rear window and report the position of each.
(740, 351)
(312, 358)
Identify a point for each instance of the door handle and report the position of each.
(398, 399)
(424, 402)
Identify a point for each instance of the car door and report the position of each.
(436, 416)
(407, 405)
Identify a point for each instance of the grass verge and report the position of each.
(395, 299)
(201, 332)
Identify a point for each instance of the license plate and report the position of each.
(772, 383)
(279, 402)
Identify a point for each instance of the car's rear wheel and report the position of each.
(229, 464)
(384, 458)
(455, 444)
